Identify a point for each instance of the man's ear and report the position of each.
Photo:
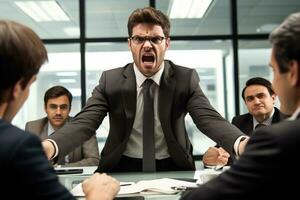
(129, 43)
(274, 97)
(168, 41)
(294, 73)
(16, 90)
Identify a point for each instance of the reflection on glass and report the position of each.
(63, 68)
(261, 17)
(49, 19)
(254, 61)
(108, 18)
(215, 21)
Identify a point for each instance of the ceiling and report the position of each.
(108, 19)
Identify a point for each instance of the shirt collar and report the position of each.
(140, 78)
(295, 114)
(50, 129)
(267, 122)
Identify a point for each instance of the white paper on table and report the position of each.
(161, 186)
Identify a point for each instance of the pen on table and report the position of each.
(182, 188)
(125, 184)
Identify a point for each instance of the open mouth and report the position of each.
(148, 58)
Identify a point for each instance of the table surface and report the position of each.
(71, 180)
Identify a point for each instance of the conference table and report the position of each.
(71, 180)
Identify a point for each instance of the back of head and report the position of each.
(286, 41)
(258, 81)
(148, 15)
(22, 53)
(57, 91)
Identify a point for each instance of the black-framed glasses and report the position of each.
(136, 39)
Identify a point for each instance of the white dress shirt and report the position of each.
(267, 122)
(134, 146)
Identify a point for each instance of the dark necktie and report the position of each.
(259, 126)
(148, 129)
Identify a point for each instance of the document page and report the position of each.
(156, 186)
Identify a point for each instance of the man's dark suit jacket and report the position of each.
(116, 94)
(264, 171)
(245, 122)
(86, 154)
(25, 170)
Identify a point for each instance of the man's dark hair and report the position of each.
(286, 41)
(148, 15)
(57, 91)
(22, 53)
(258, 81)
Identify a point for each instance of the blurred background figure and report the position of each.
(57, 105)
(259, 98)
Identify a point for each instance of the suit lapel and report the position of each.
(44, 129)
(129, 94)
(249, 126)
(165, 99)
(276, 116)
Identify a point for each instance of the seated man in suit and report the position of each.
(25, 170)
(259, 98)
(264, 170)
(57, 105)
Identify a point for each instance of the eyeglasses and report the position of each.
(141, 39)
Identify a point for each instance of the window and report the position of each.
(63, 68)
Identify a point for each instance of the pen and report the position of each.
(125, 184)
(179, 188)
(182, 188)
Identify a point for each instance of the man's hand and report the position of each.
(242, 145)
(215, 156)
(100, 187)
(48, 149)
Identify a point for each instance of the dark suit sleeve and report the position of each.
(84, 125)
(89, 153)
(33, 171)
(254, 171)
(207, 119)
(234, 121)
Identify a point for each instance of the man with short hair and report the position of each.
(259, 98)
(264, 170)
(57, 105)
(25, 170)
(147, 102)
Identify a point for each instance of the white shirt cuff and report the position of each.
(55, 148)
(236, 144)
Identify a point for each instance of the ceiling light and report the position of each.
(43, 11)
(266, 28)
(67, 80)
(189, 8)
(72, 31)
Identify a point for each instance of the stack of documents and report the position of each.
(156, 186)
